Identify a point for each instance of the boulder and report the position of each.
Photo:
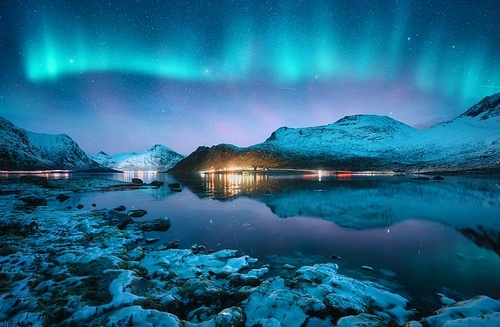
(117, 219)
(158, 225)
(137, 213)
(80, 206)
(137, 181)
(231, 317)
(438, 178)
(152, 240)
(203, 291)
(173, 244)
(174, 185)
(34, 201)
(119, 208)
(62, 197)
(157, 183)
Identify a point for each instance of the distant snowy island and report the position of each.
(156, 158)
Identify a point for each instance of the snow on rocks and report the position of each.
(77, 268)
(478, 311)
(137, 316)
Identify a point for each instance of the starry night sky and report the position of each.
(124, 75)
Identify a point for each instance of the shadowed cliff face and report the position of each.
(230, 157)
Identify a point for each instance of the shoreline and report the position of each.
(63, 267)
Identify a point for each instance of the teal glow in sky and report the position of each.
(224, 67)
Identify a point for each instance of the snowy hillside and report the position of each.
(157, 158)
(368, 142)
(62, 151)
(24, 150)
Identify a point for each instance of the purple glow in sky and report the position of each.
(121, 76)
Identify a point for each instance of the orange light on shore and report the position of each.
(344, 175)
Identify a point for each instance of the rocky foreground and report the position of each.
(89, 267)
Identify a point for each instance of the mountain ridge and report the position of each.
(22, 150)
(470, 142)
(156, 158)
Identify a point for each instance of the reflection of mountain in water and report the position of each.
(471, 205)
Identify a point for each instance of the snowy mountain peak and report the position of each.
(486, 108)
(24, 150)
(159, 148)
(156, 158)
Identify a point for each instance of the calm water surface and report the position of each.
(420, 236)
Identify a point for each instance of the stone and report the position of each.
(151, 240)
(195, 248)
(62, 197)
(119, 208)
(137, 181)
(80, 206)
(203, 291)
(94, 205)
(336, 257)
(438, 178)
(34, 201)
(173, 244)
(240, 280)
(156, 183)
(158, 225)
(200, 315)
(175, 189)
(174, 185)
(363, 319)
(175, 307)
(137, 213)
(231, 317)
(117, 219)
(139, 286)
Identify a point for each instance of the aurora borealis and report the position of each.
(124, 75)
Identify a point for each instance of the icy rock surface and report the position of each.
(74, 268)
(479, 311)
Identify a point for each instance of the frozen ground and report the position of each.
(89, 267)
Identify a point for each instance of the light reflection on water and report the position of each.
(420, 236)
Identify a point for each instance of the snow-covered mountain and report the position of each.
(24, 150)
(367, 142)
(158, 158)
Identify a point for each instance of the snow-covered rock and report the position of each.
(73, 268)
(157, 158)
(367, 142)
(479, 311)
(24, 150)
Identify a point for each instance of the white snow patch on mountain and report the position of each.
(157, 158)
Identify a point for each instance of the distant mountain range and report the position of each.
(158, 158)
(470, 142)
(22, 150)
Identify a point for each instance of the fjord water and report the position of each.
(420, 236)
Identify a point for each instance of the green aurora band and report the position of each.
(284, 42)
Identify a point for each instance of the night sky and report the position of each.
(125, 75)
